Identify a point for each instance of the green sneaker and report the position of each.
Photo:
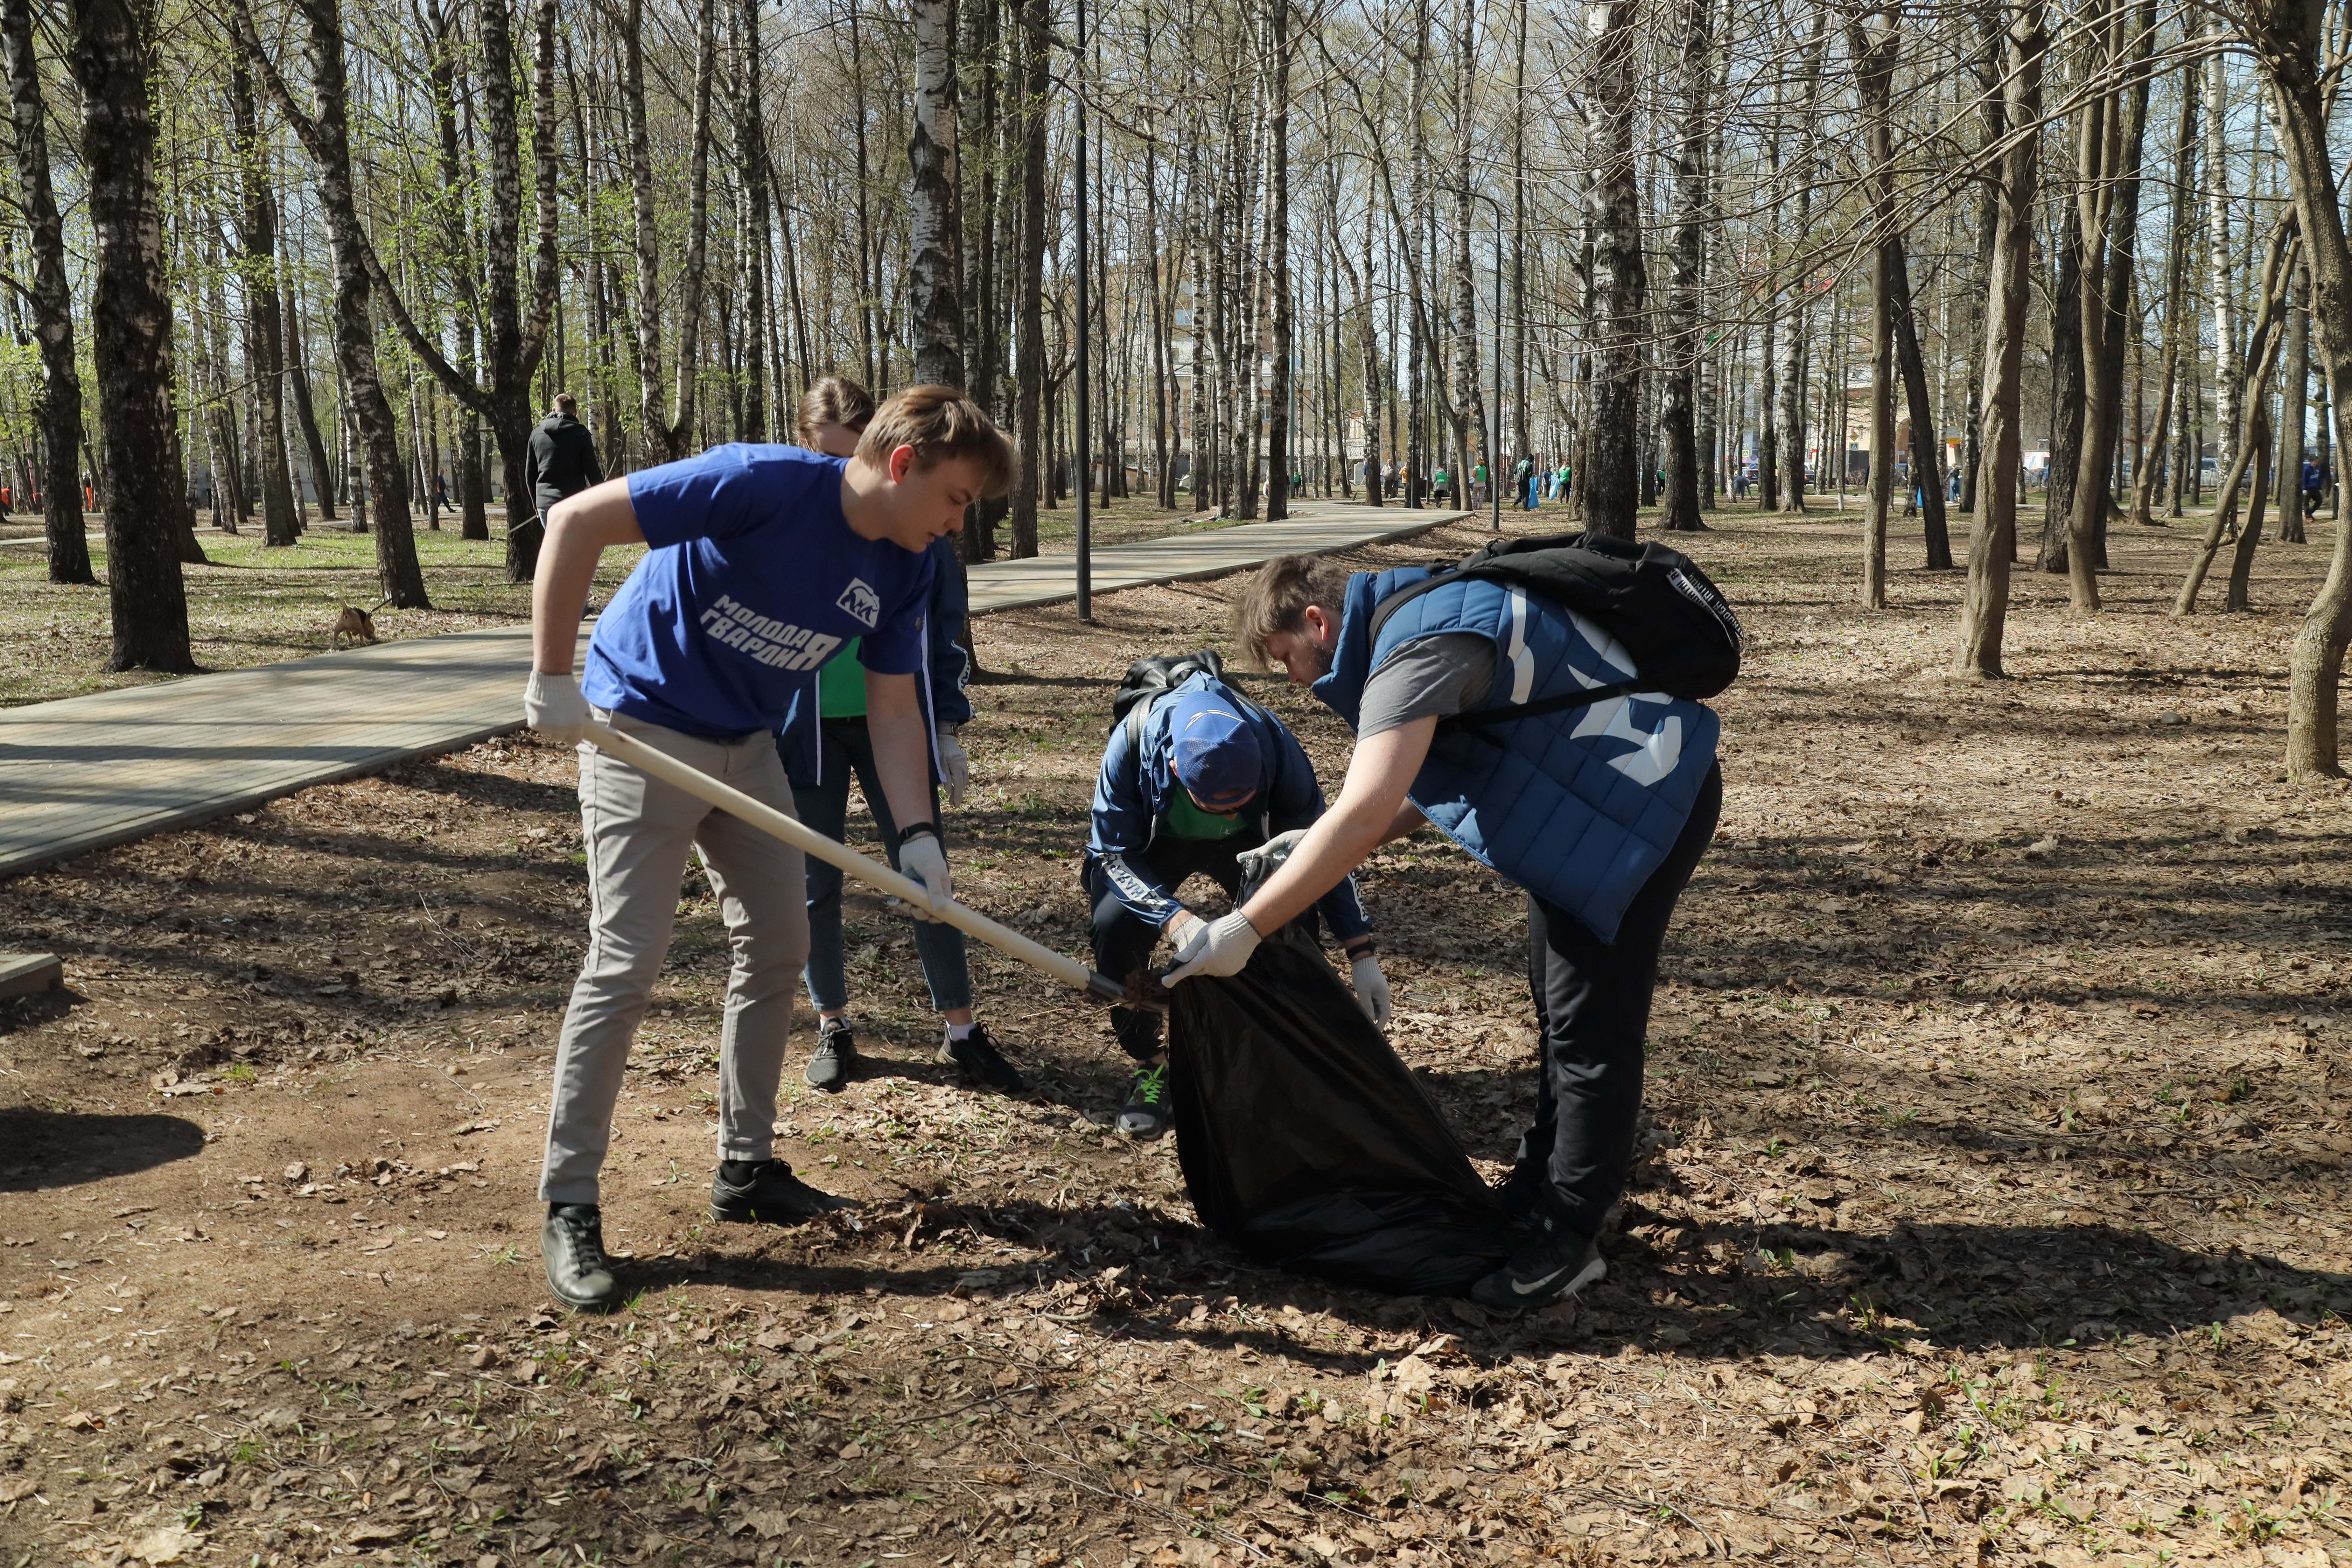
(1145, 1115)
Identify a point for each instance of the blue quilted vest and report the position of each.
(1579, 805)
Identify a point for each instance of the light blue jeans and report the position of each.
(824, 804)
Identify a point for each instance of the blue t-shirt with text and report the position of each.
(753, 578)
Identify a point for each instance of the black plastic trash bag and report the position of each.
(1306, 1143)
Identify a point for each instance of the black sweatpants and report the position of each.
(1122, 943)
(1593, 1021)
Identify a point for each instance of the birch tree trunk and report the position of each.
(2262, 354)
(517, 339)
(751, 165)
(473, 505)
(280, 519)
(1678, 412)
(2228, 393)
(1029, 351)
(57, 405)
(1993, 130)
(1409, 238)
(1874, 73)
(1613, 217)
(2175, 285)
(935, 269)
(1984, 609)
(2107, 204)
(306, 413)
(1807, 172)
(668, 433)
(1469, 401)
(1277, 258)
(1926, 439)
(2098, 151)
(2236, 599)
(328, 136)
(2294, 407)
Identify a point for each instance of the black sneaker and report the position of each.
(1145, 1114)
(1522, 1200)
(767, 1193)
(976, 1056)
(1552, 1267)
(835, 1057)
(571, 1244)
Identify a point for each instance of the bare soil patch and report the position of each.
(1994, 1207)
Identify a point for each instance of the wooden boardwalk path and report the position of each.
(88, 771)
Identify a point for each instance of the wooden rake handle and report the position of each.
(873, 873)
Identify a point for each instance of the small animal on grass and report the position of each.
(354, 625)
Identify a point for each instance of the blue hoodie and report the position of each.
(1134, 789)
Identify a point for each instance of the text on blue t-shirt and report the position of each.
(753, 578)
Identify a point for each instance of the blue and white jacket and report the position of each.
(946, 670)
(1135, 786)
(1579, 805)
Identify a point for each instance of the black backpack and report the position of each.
(1147, 679)
(1680, 632)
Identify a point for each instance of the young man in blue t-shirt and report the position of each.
(762, 561)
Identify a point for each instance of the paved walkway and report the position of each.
(1183, 557)
(88, 771)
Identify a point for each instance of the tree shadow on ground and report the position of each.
(1789, 1289)
(46, 1150)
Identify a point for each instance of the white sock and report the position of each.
(961, 1031)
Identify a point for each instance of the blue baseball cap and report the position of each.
(1216, 754)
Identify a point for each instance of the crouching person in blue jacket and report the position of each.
(1600, 812)
(1200, 776)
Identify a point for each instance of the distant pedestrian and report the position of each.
(562, 457)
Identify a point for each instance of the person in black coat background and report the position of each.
(562, 459)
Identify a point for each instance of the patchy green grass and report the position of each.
(249, 604)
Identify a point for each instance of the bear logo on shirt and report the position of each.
(860, 602)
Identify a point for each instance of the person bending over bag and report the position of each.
(1193, 777)
(762, 561)
(1600, 811)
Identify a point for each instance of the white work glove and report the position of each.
(1372, 990)
(1221, 948)
(1260, 862)
(552, 704)
(955, 766)
(925, 860)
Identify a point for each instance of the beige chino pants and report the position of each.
(639, 832)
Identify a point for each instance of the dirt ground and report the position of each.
(1996, 1210)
